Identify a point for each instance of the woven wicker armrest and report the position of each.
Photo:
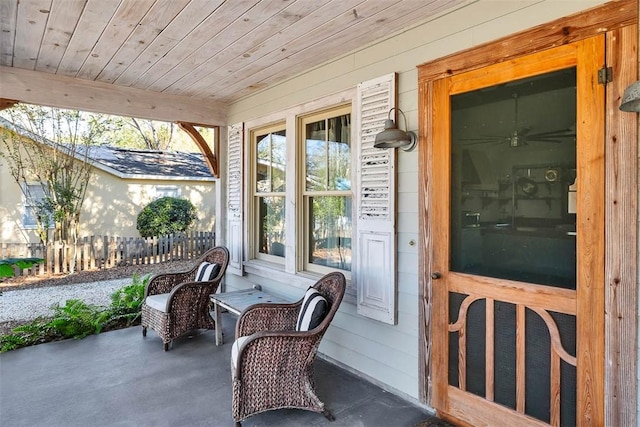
(267, 317)
(189, 294)
(164, 282)
(263, 353)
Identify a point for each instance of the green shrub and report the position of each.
(126, 302)
(77, 319)
(7, 264)
(35, 332)
(167, 215)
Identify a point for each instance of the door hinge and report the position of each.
(605, 75)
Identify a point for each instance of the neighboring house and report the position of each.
(123, 181)
(493, 272)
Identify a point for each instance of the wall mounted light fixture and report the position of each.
(392, 137)
(631, 98)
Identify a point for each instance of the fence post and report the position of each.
(39, 252)
(56, 258)
(106, 253)
(156, 248)
(147, 252)
(165, 248)
(139, 247)
(121, 249)
(188, 245)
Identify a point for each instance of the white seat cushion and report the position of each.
(235, 349)
(158, 302)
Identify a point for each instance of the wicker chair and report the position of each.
(273, 363)
(187, 301)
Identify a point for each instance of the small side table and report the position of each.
(236, 301)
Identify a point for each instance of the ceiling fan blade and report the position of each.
(483, 138)
(561, 133)
(524, 131)
(555, 141)
(475, 141)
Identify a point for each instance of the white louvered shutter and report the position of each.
(375, 265)
(234, 198)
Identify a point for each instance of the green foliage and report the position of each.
(126, 302)
(167, 215)
(35, 332)
(7, 264)
(143, 134)
(77, 319)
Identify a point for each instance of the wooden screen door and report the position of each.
(517, 232)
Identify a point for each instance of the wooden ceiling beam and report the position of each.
(210, 157)
(52, 90)
(7, 103)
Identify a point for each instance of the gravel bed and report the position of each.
(27, 304)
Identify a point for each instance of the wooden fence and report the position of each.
(99, 252)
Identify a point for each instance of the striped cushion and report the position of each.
(313, 310)
(207, 271)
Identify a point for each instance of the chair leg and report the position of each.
(144, 331)
(166, 346)
(238, 424)
(328, 415)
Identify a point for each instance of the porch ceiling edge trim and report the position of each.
(51, 90)
(617, 14)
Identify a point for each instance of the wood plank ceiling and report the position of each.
(211, 49)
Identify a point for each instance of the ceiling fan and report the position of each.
(523, 136)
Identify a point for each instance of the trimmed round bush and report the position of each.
(167, 215)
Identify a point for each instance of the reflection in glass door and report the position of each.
(513, 173)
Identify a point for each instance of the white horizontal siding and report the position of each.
(406, 285)
(373, 368)
(407, 202)
(389, 354)
(408, 181)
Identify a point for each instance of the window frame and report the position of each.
(26, 206)
(305, 195)
(254, 214)
(162, 190)
(290, 272)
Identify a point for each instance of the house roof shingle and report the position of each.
(136, 164)
(149, 163)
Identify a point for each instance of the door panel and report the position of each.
(518, 224)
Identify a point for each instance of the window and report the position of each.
(269, 166)
(167, 191)
(34, 206)
(303, 216)
(318, 229)
(326, 193)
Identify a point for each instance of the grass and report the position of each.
(77, 319)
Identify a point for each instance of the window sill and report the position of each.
(301, 280)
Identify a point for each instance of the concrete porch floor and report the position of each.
(119, 378)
